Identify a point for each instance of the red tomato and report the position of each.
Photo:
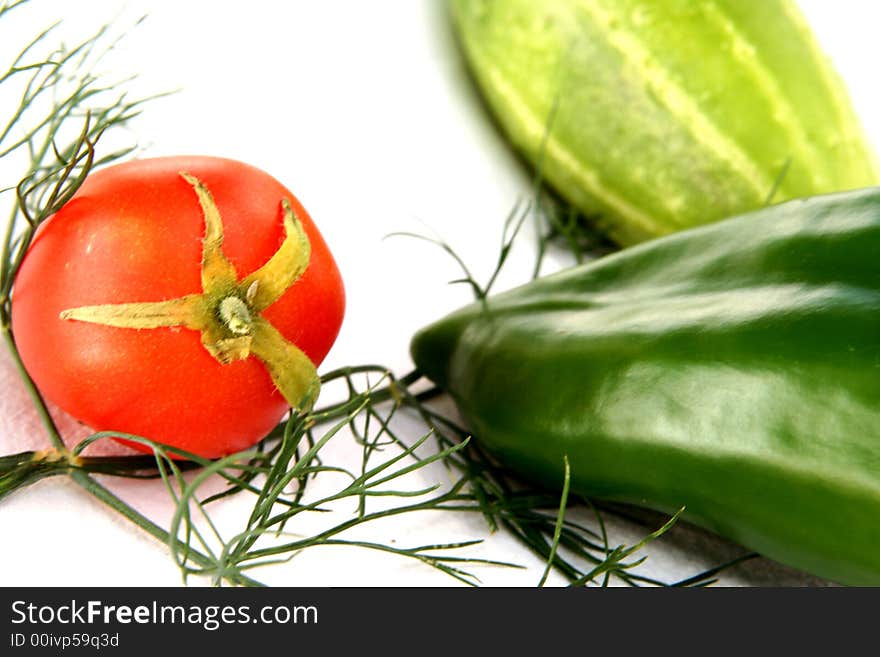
(134, 233)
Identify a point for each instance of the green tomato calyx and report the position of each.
(227, 312)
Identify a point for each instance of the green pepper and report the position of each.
(733, 369)
(652, 116)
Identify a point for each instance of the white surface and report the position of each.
(364, 111)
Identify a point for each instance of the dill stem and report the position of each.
(393, 390)
(560, 519)
(84, 480)
(5, 267)
(88, 483)
(42, 409)
(22, 469)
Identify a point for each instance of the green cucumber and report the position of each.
(665, 114)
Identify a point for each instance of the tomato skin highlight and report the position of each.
(134, 233)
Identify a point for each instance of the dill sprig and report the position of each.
(62, 111)
(62, 108)
(276, 472)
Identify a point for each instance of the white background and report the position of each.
(364, 110)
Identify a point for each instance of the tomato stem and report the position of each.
(235, 314)
(227, 311)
